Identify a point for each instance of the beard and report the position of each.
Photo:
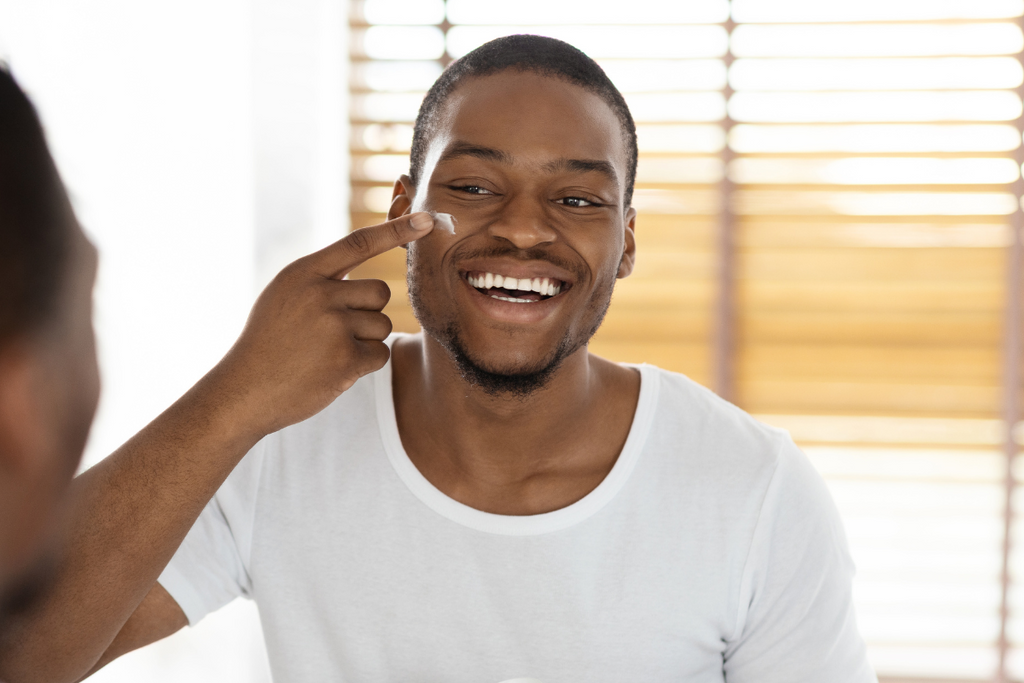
(515, 383)
(519, 382)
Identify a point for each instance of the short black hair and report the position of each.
(35, 217)
(529, 53)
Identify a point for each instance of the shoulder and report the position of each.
(704, 426)
(735, 463)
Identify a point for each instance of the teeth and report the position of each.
(513, 300)
(543, 286)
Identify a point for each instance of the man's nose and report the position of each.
(524, 221)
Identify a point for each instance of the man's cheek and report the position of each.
(421, 271)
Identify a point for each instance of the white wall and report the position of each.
(203, 143)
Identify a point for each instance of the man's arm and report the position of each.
(309, 337)
(156, 617)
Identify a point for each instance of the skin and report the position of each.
(311, 335)
(520, 199)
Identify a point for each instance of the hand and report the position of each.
(311, 334)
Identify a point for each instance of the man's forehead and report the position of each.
(499, 117)
(476, 95)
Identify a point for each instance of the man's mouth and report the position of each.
(515, 290)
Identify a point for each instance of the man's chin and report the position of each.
(506, 378)
(495, 371)
(27, 590)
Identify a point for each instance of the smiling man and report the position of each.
(482, 501)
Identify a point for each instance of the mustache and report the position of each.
(532, 254)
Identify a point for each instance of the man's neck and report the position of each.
(512, 455)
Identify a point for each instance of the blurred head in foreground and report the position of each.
(49, 381)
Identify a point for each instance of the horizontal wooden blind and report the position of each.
(861, 157)
(874, 175)
(874, 170)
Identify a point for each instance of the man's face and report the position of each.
(533, 170)
(53, 404)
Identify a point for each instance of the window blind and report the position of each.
(826, 197)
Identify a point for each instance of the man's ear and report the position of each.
(401, 197)
(629, 245)
(23, 434)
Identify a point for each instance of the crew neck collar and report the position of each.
(516, 525)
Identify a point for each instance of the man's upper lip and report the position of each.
(517, 269)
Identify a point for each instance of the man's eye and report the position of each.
(471, 189)
(576, 202)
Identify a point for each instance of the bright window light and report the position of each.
(707, 106)
(876, 106)
(386, 106)
(403, 42)
(901, 625)
(684, 170)
(941, 660)
(602, 42)
(924, 203)
(920, 171)
(752, 138)
(528, 12)
(672, 138)
(977, 532)
(1015, 658)
(396, 76)
(912, 40)
(379, 137)
(377, 199)
(795, 11)
(774, 202)
(875, 171)
(876, 74)
(675, 202)
(773, 234)
(897, 463)
(403, 11)
(383, 167)
(649, 75)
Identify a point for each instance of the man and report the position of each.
(49, 381)
(492, 501)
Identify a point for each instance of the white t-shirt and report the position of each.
(711, 552)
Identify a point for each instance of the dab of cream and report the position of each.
(445, 221)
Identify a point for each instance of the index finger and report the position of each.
(338, 259)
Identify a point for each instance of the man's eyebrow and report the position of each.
(465, 149)
(583, 166)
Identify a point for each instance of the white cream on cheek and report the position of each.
(444, 221)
